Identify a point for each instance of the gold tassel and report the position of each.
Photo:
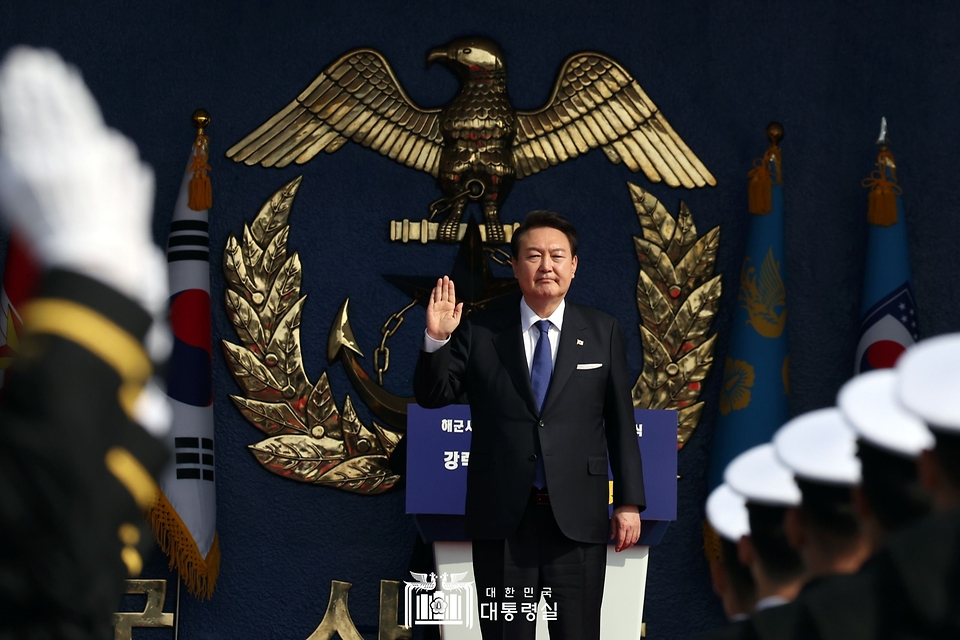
(201, 195)
(199, 575)
(711, 543)
(762, 181)
(882, 205)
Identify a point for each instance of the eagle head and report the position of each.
(468, 55)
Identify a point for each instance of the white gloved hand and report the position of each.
(76, 190)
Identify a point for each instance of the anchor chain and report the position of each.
(473, 189)
(394, 322)
(498, 255)
(387, 330)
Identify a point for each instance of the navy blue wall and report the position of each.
(719, 70)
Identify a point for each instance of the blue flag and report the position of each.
(753, 400)
(888, 318)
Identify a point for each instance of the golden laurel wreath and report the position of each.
(310, 439)
(678, 297)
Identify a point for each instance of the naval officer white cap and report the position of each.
(727, 513)
(930, 381)
(869, 403)
(760, 477)
(820, 447)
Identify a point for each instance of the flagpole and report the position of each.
(754, 397)
(176, 617)
(888, 314)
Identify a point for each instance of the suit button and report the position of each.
(532, 458)
(541, 423)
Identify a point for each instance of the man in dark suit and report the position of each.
(550, 402)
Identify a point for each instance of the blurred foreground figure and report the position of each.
(732, 580)
(919, 588)
(77, 432)
(818, 448)
(770, 491)
(890, 498)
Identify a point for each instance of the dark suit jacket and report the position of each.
(731, 631)
(587, 413)
(842, 607)
(783, 622)
(917, 580)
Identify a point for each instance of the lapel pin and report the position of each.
(580, 342)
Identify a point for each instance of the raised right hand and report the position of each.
(443, 312)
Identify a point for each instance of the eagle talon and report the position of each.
(448, 230)
(495, 234)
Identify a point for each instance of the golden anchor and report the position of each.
(342, 346)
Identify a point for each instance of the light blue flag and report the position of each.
(753, 400)
(888, 317)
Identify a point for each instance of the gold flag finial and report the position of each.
(762, 177)
(201, 119)
(775, 133)
(882, 182)
(201, 194)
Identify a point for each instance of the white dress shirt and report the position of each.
(531, 334)
(528, 331)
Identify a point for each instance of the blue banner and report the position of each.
(438, 454)
(753, 399)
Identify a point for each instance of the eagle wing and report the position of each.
(422, 578)
(597, 103)
(358, 98)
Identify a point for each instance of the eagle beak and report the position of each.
(437, 55)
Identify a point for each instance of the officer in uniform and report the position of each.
(769, 490)
(918, 577)
(889, 498)
(762, 490)
(732, 581)
(76, 461)
(818, 447)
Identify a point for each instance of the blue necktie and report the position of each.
(540, 374)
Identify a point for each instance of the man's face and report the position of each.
(544, 266)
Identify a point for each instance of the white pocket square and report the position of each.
(592, 365)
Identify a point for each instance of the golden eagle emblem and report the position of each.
(478, 144)
(764, 296)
